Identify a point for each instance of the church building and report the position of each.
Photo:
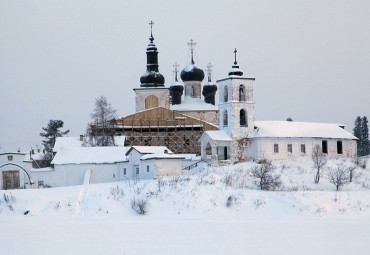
(179, 118)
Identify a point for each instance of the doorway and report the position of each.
(11, 180)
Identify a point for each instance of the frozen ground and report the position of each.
(193, 215)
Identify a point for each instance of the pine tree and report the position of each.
(52, 131)
(364, 140)
(357, 133)
(100, 131)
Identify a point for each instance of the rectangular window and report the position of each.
(10, 158)
(325, 147)
(147, 169)
(124, 171)
(303, 148)
(137, 170)
(41, 183)
(276, 148)
(290, 148)
(339, 147)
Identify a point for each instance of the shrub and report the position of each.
(265, 176)
(117, 192)
(230, 201)
(140, 206)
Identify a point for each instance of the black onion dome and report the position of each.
(192, 73)
(235, 70)
(151, 78)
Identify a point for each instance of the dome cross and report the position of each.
(176, 70)
(235, 51)
(151, 23)
(209, 71)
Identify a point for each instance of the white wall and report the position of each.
(162, 93)
(168, 167)
(263, 148)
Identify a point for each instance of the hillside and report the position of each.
(210, 210)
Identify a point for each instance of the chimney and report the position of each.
(166, 151)
(81, 138)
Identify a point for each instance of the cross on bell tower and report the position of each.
(235, 51)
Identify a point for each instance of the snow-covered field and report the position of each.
(211, 210)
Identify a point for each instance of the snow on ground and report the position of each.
(210, 210)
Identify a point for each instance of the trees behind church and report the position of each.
(361, 131)
(100, 131)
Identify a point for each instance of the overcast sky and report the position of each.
(311, 59)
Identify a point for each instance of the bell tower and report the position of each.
(236, 105)
(152, 92)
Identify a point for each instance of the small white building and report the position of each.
(153, 162)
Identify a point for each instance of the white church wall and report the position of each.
(266, 148)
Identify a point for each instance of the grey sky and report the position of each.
(311, 59)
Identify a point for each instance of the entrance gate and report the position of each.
(11, 180)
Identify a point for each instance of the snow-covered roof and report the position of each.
(299, 129)
(150, 149)
(90, 155)
(193, 104)
(74, 142)
(66, 142)
(162, 156)
(218, 135)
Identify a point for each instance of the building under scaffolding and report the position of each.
(163, 127)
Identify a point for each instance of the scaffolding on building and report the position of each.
(163, 127)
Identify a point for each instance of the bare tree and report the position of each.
(319, 161)
(100, 132)
(338, 176)
(265, 176)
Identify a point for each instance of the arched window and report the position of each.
(241, 93)
(151, 102)
(225, 118)
(243, 118)
(208, 153)
(226, 95)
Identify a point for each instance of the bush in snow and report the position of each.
(140, 206)
(338, 176)
(117, 192)
(231, 200)
(265, 176)
(319, 161)
(259, 203)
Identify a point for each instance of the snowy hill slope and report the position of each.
(215, 204)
